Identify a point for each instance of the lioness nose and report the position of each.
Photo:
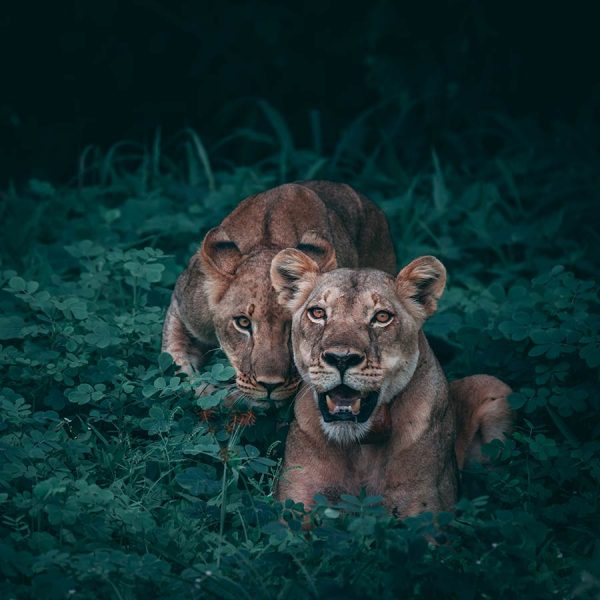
(271, 386)
(343, 360)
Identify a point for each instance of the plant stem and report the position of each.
(223, 513)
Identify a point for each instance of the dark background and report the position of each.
(76, 73)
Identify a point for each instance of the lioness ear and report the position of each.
(319, 249)
(293, 275)
(219, 257)
(422, 282)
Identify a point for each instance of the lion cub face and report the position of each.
(355, 333)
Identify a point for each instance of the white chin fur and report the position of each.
(394, 385)
(346, 433)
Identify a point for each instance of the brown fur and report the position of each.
(483, 414)
(415, 468)
(229, 277)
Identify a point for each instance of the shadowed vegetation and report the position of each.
(116, 481)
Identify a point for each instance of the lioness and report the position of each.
(225, 298)
(358, 345)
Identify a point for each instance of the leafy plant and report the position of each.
(117, 480)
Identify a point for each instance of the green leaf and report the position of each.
(211, 400)
(152, 272)
(157, 422)
(251, 451)
(17, 284)
(165, 360)
(362, 525)
(222, 372)
(85, 393)
(81, 395)
(102, 335)
(591, 354)
(84, 249)
(32, 287)
(199, 481)
(11, 328)
(41, 188)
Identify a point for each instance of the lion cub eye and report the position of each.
(382, 317)
(242, 323)
(316, 314)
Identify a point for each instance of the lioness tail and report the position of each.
(483, 414)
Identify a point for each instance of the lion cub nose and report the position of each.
(343, 360)
(271, 385)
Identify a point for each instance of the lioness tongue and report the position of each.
(343, 398)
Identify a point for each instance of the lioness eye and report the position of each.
(382, 316)
(243, 323)
(317, 313)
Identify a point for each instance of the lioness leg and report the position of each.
(188, 352)
(483, 414)
(308, 469)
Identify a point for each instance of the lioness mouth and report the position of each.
(343, 403)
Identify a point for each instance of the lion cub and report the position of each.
(359, 347)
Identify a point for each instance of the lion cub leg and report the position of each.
(483, 414)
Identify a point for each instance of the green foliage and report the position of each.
(117, 481)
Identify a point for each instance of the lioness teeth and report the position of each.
(330, 404)
(335, 408)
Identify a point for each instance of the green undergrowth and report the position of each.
(117, 482)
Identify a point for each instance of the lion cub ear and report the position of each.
(293, 275)
(422, 282)
(319, 249)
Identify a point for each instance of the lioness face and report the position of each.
(253, 328)
(254, 332)
(355, 334)
(356, 345)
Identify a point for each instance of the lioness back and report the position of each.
(278, 218)
(225, 298)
